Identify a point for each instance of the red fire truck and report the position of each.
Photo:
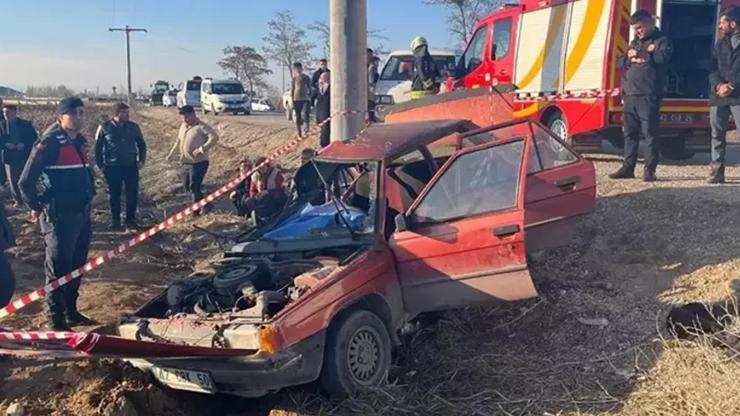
(562, 57)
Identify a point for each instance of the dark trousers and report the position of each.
(13, 173)
(192, 178)
(325, 137)
(641, 118)
(118, 177)
(67, 239)
(302, 109)
(7, 280)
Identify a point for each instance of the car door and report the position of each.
(472, 64)
(561, 188)
(463, 241)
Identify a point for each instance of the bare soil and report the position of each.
(593, 343)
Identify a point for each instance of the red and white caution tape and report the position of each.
(93, 264)
(595, 93)
(38, 336)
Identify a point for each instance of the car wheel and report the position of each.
(357, 355)
(557, 124)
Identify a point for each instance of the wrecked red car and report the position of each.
(407, 218)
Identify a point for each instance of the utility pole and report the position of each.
(348, 43)
(128, 30)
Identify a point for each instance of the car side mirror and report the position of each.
(401, 223)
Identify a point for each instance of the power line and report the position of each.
(128, 31)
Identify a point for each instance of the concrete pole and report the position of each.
(348, 43)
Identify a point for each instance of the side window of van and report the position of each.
(501, 38)
(473, 56)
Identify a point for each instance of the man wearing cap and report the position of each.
(120, 151)
(17, 137)
(57, 183)
(193, 141)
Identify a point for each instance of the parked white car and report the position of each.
(262, 105)
(169, 99)
(224, 96)
(189, 93)
(394, 84)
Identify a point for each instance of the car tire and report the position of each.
(557, 124)
(357, 354)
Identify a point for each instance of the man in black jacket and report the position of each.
(427, 78)
(724, 86)
(120, 151)
(57, 182)
(323, 67)
(17, 137)
(7, 280)
(643, 86)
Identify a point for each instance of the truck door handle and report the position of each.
(506, 230)
(567, 182)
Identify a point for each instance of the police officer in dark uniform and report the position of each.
(427, 78)
(643, 85)
(57, 183)
(7, 280)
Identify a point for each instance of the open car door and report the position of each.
(561, 184)
(462, 241)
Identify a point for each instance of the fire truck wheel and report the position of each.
(674, 148)
(357, 354)
(556, 123)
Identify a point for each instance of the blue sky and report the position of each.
(67, 42)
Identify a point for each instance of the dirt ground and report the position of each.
(593, 343)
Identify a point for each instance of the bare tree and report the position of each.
(246, 65)
(464, 14)
(286, 42)
(322, 31)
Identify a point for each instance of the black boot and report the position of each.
(75, 318)
(623, 173)
(649, 176)
(58, 324)
(717, 175)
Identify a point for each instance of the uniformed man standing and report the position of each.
(427, 79)
(120, 151)
(57, 183)
(643, 85)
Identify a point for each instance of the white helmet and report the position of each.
(418, 41)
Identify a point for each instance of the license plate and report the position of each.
(190, 380)
(677, 118)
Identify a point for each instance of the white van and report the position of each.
(189, 93)
(224, 96)
(394, 84)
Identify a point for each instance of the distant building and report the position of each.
(9, 92)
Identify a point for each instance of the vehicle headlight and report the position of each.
(384, 99)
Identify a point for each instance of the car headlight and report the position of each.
(384, 99)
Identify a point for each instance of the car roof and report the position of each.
(387, 141)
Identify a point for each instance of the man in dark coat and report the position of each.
(724, 86)
(643, 85)
(323, 108)
(120, 151)
(17, 137)
(7, 280)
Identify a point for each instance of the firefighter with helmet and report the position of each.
(427, 77)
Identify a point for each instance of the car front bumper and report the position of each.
(229, 107)
(249, 376)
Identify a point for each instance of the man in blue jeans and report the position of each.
(724, 86)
